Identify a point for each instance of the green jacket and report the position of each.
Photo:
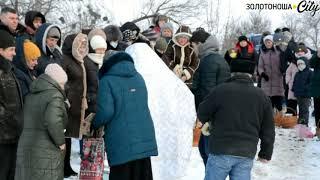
(45, 116)
(315, 80)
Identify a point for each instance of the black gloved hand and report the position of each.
(265, 76)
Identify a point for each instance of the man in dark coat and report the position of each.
(10, 108)
(9, 22)
(212, 70)
(239, 114)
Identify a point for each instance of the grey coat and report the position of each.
(269, 63)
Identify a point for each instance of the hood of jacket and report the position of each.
(211, 45)
(44, 83)
(31, 15)
(119, 64)
(41, 36)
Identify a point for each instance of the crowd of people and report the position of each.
(148, 90)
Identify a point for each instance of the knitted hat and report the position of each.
(242, 38)
(98, 41)
(199, 36)
(167, 26)
(242, 65)
(6, 40)
(56, 73)
(161, 44)
(31, 51)
(268, 37)
(54, 32)
(97, 31)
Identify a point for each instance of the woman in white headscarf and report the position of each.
(172, 108)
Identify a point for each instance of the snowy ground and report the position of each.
(293, 159)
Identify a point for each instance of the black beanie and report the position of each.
(6, 40)
(199, 36)
(242, 38)
(242, 65)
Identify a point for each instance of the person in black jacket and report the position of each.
(212, 71)
(33, 21)
(301, 89)
(238, 114)
(9, 21)
(10, 108)
(25, 62)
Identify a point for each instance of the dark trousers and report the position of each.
(8, 157)
(316, 101)
(134, 170)
(304, 104)
(67, 166)
(292, 106)
(204, 148)
(276, 102)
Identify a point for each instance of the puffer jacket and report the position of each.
(39, 156)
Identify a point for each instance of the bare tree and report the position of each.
(176, 10)
(257, 23)
(296, 27)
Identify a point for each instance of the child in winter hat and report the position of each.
(301, 86)
(167, 31)
(55, 72)
(31, 53)
(160, 46)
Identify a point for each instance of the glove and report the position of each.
(206, 129)
(265, 76)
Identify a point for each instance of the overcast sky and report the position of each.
(126, 10)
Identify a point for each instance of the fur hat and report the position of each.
(56, 73)
(199, 36)
(158, 18)
(113, 33)
(268, 37)
(6, 40)
(31, 51)
(242, 65)
(183, 31)
(54, 32)
(161, 44)
(301, 48)
(242, 38)
(98, 41)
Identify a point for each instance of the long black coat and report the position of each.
(10, 104)
(92, 70)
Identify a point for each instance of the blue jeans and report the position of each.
(220, 166)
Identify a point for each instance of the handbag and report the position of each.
(196, 137)
(92, 162)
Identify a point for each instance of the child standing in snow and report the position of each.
(300, 88)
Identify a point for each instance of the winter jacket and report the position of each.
(76, 87)
(243, 53)
(301, 83)
(212, 70)
(239, 115)
(269, 63)
(290, 74)
(47, 56)
(92, 70)
(22, 72)
(11, 120)
(122, 108)
(39, 156)
(176, 54)
(315, 80)
(20, 31)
